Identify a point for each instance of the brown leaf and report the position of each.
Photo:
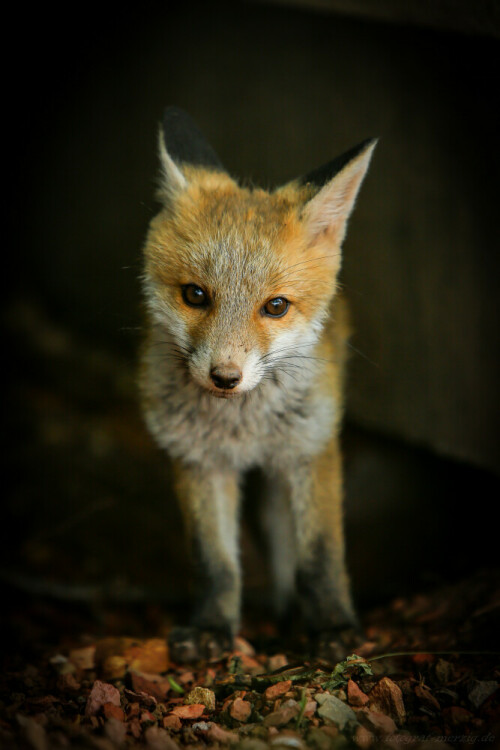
(194, 711)
(386, 698)
(355, 695)
(101, 693)
(240, 710)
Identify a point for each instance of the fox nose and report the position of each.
(226, 376)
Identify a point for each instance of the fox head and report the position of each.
(238, 279)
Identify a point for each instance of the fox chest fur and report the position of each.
(290, 417)
(242, 366)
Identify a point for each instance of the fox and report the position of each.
(243, 366)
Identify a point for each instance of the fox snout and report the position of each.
(226, 376)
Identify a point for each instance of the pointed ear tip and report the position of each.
(371, 143)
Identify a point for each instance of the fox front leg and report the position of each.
(209, 501)
(321, 577)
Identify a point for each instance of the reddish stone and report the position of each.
(240, 710)
(194, 711)
(355, 695)
(110, 710)
(280, 688)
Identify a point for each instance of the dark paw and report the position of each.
(190, 644)
(335, 644)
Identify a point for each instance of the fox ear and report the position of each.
(326, 214)
(181, 143)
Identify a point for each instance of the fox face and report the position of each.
(239, 279)
(235, 282)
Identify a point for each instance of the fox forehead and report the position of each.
(218, 232)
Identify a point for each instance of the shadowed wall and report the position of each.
(278, 91)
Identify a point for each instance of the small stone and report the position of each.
(159, 739)
(283, 715)
(287, 738)
(115, 730)
(386, 698)
(218, 734)
(278, 661)
(444, 671)
(379, 723)
(151, 684)
(200, 726)
(363, 738)
(355, 695)
(202, 695)
(240, 710)
(193, 711)
(110, 710)
(101, 693)
(171, 721)
(135, 727)
(334, 710)
(481, 691)
(425, 696)
(278, 689)
(243, 646)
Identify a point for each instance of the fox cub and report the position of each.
(243, 367)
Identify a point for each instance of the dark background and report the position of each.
(278, 89)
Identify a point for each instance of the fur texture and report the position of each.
(243, 249)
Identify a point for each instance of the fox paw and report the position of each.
(335, 644)
(191, 644)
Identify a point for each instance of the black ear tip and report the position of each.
(175, 116)
(321, 176)
(185, 142)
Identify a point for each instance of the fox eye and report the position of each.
(276, 307)
(194, 296)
